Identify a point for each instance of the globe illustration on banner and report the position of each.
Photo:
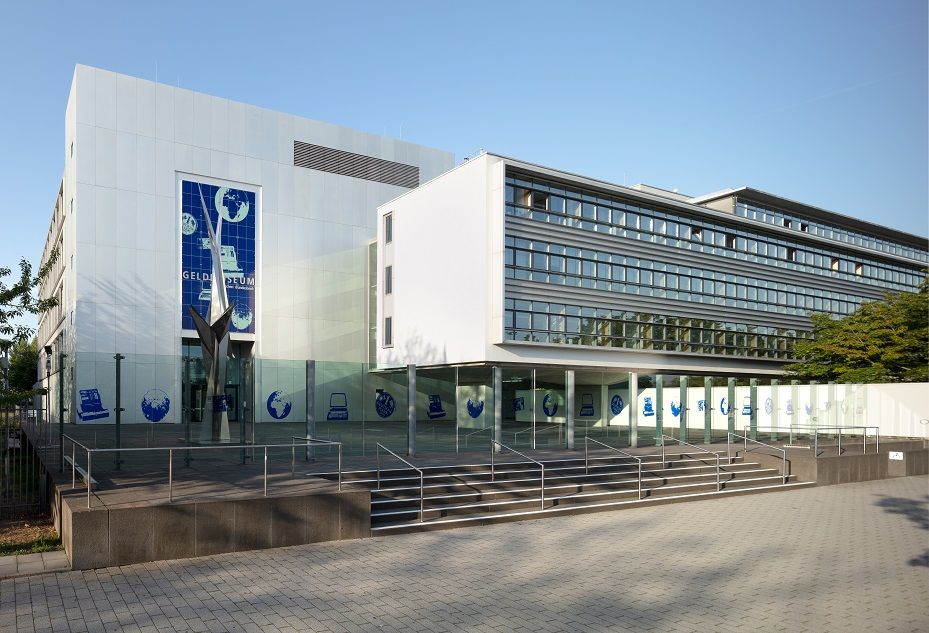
(155, 405)
(232, 204)
(549, 405)
(675, 408)
(384, 404)
(241, 317)
(617, 404)
(277, 406)
(475, 408)
(768, 406)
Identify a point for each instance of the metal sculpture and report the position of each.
(214, 339)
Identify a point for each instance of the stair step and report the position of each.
(555, 500)
(493, 517)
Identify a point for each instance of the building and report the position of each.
(383, 295)
(628, 307)
(299, 202)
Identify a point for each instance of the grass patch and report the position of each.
(28, 537)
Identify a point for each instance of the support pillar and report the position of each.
(683, 404)
(753, 403)
(707, 409)
(411, 410)
(633, 409)
(498, 407)
(775, 408)
(61, 411)
(569, 402)
(659, 409)
(730, 398)
(310, 404)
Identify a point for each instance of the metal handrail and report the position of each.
(91, 451)
(308, 439)
(729, 437)
(702, 450)
(815, 433)
(524, 456)
(467, 435)
(588, 439)
(540, 428)
(377, 452)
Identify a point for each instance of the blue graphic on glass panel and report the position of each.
(435, 409)
(724, 407)
(675, 408)
(790, 406)
(701, 405)
(237, 251)
(384, 404)
(221, 403)
(338, 407)
(617, 404)
(91, 407)
(278, 407)
(519, 404)
(648, 409)
(549, 405)
(768, 405)
(587, 406)
(475, 408)
(809, 408)
(747, 405)
(155, 405)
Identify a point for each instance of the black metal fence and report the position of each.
(21, 493)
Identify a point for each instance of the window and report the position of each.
(730, 241)
(834, 265)
(388, 280)
(791, 254)
(804, 228)
(539, 200)
(388, 331)
(388, 228)
(696, 233)
(859, 269)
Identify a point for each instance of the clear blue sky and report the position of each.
(821, 102)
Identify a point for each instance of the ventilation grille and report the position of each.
(336, 161)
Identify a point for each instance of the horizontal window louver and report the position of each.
(337, 161)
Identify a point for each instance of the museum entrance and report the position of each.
(239, 389)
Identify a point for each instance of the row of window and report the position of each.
(535, 200)
(545, 262)
(649, 332)
(767, 215)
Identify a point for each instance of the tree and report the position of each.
(16, 301)
(882, 341)
(24, 357)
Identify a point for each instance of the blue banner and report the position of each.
(237, 251)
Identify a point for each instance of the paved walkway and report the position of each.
(844, 558)
(28, 564)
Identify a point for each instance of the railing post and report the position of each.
(662, 452)
(293, 456)
(73, 468)
(784, 467)
(266, 471)
(640, 478)
(340, 468)
(543, 486)
(878, 429)
(89, 480)
(864, 441)
(717, 473)
(377, 453)
(170, 475)
(729, 447)
(840, 443)
(815, 442)
(586, 444)
(421, 495)
(493, 446)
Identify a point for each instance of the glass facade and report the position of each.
(612, 265)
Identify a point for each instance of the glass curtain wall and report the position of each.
(437, 410)
(551, 409)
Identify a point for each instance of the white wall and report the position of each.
(901, 409)
(442, 286)
(132, 138)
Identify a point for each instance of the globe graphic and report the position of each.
(384, 404)
(155, 405)
(277, 406)
(549, 405)
(616, 404)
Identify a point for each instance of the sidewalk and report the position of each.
(29, 564)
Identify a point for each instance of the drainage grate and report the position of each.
(337, 161)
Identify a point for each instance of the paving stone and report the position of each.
(839, 558)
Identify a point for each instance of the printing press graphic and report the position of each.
(435, 409)
(91, 407)
(587, 405)
(338, 407)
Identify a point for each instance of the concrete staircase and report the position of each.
(461, 495)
